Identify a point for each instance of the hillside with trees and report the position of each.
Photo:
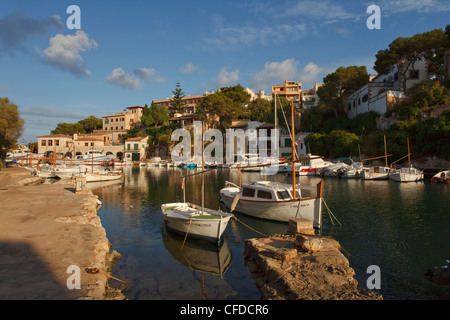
(423, 116)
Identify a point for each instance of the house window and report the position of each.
(57, 143)
(43, 143)
(350, 106)
(365, 98)
(287, 142)
(414, 74)
(136, 146)
(86, 144)
(128, 146)
(50, 143)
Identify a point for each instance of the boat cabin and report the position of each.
(268, 191)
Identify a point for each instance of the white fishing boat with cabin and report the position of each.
(376, 173)
(274, 200)
(407, 175)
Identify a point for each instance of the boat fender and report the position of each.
(235, 202)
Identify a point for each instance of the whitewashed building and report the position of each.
(384, 91)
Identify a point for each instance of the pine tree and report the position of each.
(177, 104)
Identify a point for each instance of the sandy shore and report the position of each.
(45, 229)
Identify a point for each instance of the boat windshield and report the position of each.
(283, 195)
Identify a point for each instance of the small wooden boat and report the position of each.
(101, 176)
(191, 220)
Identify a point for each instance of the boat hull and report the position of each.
(209, 229)
(99, 177)
(375, 176)
(310, 208)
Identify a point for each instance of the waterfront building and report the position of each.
(136, 148)
(118, 124)
(60, 145)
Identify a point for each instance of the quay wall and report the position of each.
(50, 237)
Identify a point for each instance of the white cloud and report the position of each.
(231, 37)
(422, 6)
(279, 71)
(324, 10)
(149, 74)
(188, 68)
(119, 77)
(225, 78)
(286, 70)
(17, 27)
(64, 52)
(311, 72)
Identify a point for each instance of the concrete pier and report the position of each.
(47, 233)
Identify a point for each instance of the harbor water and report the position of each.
(403, 228)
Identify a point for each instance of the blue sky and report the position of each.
(130, 52)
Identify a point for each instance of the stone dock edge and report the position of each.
(300, 265)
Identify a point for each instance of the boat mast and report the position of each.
(203, 175)
(385, 150)
(293, 150)
(409, 155)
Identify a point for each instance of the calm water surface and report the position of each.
(402, 228)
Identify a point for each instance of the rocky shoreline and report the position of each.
(302, 266)
(44, 230)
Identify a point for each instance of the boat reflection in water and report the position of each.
(198, 255)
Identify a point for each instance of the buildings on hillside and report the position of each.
(384, 91)
(109, 140)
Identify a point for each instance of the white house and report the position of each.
(384, 91)
(135, 148)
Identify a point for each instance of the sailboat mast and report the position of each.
(409, 155)
(276, 117)
(385, 150)
(293, 151)
(203, 176)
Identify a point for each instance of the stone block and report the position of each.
(310, 245)
(301, 226)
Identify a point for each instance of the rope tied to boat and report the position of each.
(265, 235)
(187, 232)
(330, 213)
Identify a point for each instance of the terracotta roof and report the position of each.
(89, 139)
(136, 139)
(56, 136)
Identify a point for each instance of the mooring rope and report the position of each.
(330, 212)
(265, 235)
(189, 227)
